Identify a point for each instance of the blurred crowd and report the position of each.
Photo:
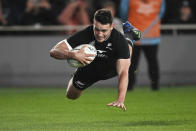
(80, 12)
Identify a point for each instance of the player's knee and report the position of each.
(72, 93)
(71, 96)
(52, 53)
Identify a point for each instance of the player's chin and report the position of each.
(100, 39)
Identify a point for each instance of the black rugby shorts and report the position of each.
(83, 79)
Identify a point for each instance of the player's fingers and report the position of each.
(118, 105)
(89, 55)
(83, 63)
(115, 104)
(123, 107)
(86, 62)
(110, 104)
(89, 59)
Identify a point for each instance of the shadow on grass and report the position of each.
(127, 124)
(155, 123)
(94, 124)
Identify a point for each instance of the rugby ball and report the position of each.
(89, 49)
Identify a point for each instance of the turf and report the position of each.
(47, 109)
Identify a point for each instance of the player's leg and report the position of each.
(72, 92)
(153, 65)
(133, 67)
(130, 31)
(81, 80)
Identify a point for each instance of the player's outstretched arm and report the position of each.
(122, 69)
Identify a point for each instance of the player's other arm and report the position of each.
(122, 70)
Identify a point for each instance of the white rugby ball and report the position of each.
(89, 49)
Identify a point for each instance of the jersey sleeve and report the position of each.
(122, 50)
(81, 37)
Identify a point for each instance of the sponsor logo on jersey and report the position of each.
(109, 46)
(79, 84)
(101, 51)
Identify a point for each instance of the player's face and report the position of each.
(102, 32)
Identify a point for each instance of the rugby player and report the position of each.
(113, 57)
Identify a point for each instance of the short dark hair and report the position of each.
(104, 16)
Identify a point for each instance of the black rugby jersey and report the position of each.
(108, 52)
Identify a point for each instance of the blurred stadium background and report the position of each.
(24, 48)
(25, 60)
(25, 63)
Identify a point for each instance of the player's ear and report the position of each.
(112, 26)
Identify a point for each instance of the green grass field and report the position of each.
(47, 109)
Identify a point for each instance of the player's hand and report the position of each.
(83, 57)
(117, 104)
